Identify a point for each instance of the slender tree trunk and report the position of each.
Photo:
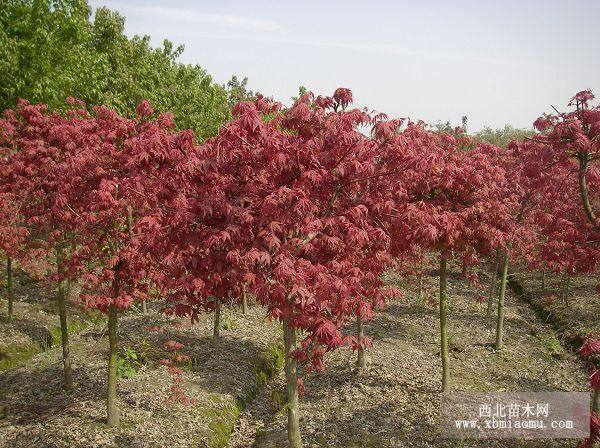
(420, 282)
(360, 336)
(544, 280)
(566, 292)
(420, 286)
(596, 401)
(583, 189)
(68, 289)
(443, 333)
(493, 285)
(500, 321)
(112, 410)
(9, 286)
(217, 321)
(291, 377)
(62, 313)
(244, 299)
(130, 228)
(69, 282)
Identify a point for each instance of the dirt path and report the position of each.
(395, 402)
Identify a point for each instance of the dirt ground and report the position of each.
(395, 403)
(578, 315)
(217, 380)
(35, 326)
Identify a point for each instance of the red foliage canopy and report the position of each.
(280, 201)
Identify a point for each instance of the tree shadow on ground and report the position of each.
(38, 396)
(528, 384)
(387, 425)
(383, 425)
(230, 366)
(386, 325)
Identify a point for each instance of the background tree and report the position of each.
(237, 91)
(51, 50)
(502, 136)
(47, 55)
(136, 72)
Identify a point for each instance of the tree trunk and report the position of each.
(112, 410)
(420, 282)
(583, 189)
(493, 285)
(68, 289)
(443, 333)
(244, 299)
(543, 281)
(9, 287)
(567, 287)
(130, 228)
(291, 377)
(62, 313)
(500, 321)
(360, 335)
(596, 401)
(69, 282)
(217, 321)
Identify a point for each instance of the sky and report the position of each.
(497, 62)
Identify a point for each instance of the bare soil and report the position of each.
(576, 316)
(395, 402)
(35, 325)
(217, 380)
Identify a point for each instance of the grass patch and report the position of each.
(268, 368)
(551, 345)
(13, 356)
(74, 326)
(221, 418)
(221, 422)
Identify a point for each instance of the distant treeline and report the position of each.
(53, 49)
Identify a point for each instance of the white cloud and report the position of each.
(378, 48)
(185, 15)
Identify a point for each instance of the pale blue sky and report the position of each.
(495, 61)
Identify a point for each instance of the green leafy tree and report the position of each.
(46, 54)
(502, 137)
(449, 129)
(238, 91)
(50, 49)
(301, 91)
(137, 72)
